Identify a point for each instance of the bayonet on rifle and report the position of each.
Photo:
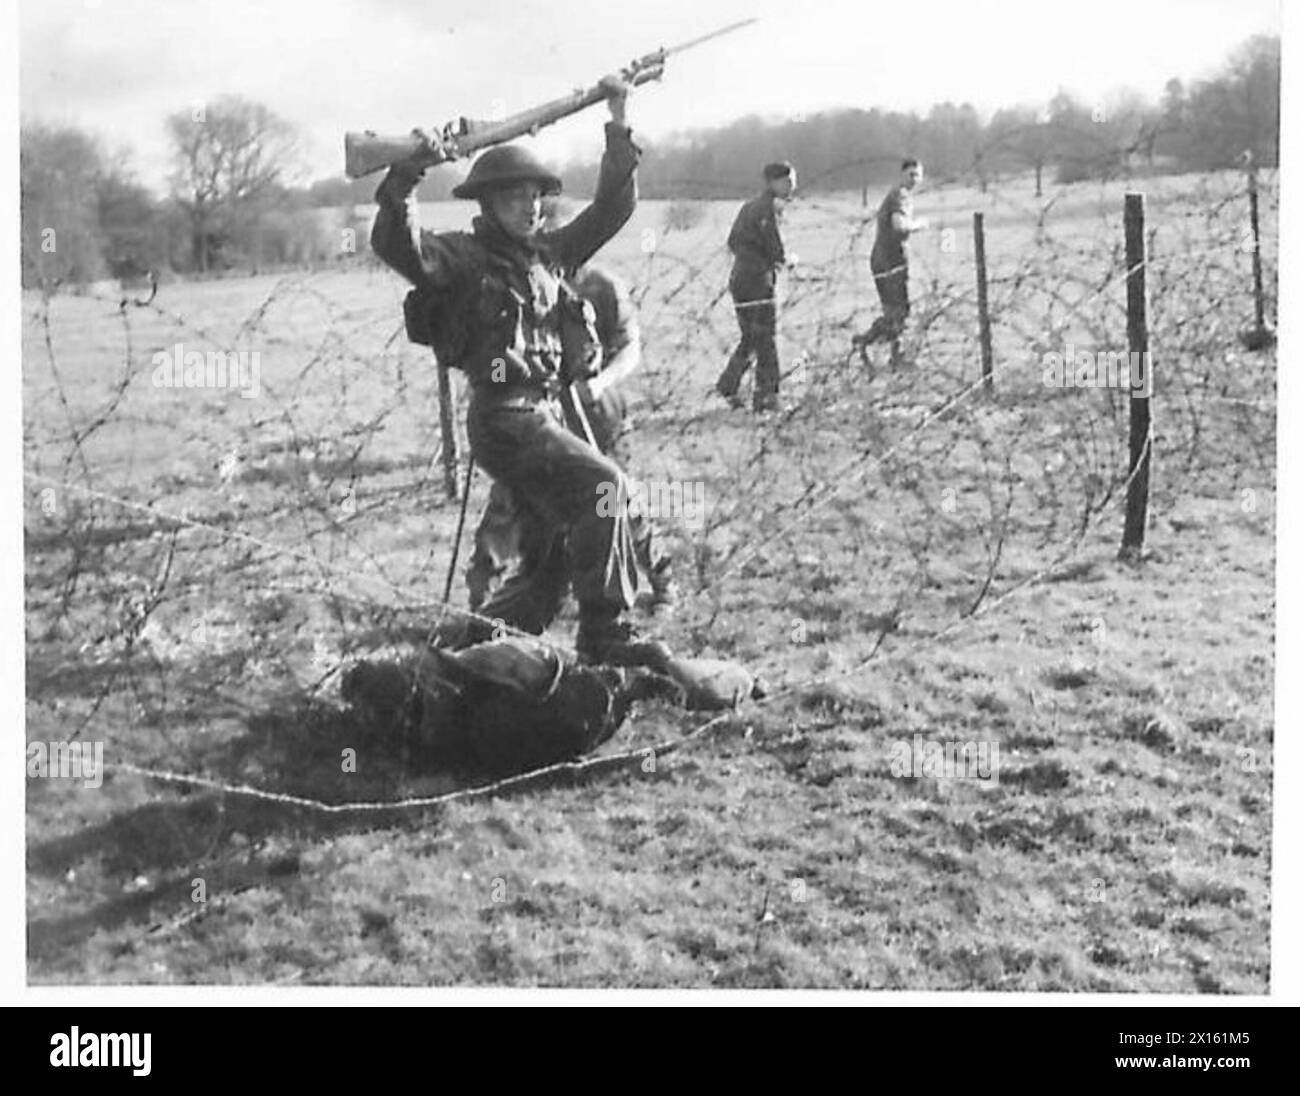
(366, 153)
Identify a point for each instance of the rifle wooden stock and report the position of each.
(366, 153)
(575, 416)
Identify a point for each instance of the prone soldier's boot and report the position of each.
(453, 633)
(607, 640)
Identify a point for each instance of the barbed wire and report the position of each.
(603, 762)
(333, 426)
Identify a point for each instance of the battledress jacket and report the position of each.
(755, 241)
(483, 292)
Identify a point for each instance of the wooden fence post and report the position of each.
(447, 419)
(982, 289)
(1262, 334)
(1140, 437)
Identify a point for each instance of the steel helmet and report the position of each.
(502, 166)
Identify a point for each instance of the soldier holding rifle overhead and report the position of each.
(496, 303)
(496, 541)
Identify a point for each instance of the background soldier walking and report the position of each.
(755, 241)
(894, 224)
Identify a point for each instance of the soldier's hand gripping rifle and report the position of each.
(366, 153)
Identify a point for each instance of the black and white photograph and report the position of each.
(552, 495)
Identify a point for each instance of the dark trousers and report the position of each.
(891, 285)
(572, 526)
(757, 321)
(498, 541)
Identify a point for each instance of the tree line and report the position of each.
(1201, 127)
(228, 206)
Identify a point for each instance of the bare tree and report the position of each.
(1021, 133)
(229, 154)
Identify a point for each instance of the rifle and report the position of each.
(575, 415)
(366, 153)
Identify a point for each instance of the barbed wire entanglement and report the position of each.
(203, 560)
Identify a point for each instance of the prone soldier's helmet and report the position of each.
(502, 166)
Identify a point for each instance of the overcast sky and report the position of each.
(117, 67)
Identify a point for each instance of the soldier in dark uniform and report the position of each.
(496, 541)
(755, 241)
(894, 224)
(494, 303)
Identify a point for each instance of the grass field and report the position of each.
(898, 555)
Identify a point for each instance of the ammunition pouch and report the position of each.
(417, 310)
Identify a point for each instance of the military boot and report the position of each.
(606, 640)
(734, 399)
(455, 632)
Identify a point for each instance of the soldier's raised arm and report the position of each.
(426, 260)
(615, 198)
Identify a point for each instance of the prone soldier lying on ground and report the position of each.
(515, 704)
